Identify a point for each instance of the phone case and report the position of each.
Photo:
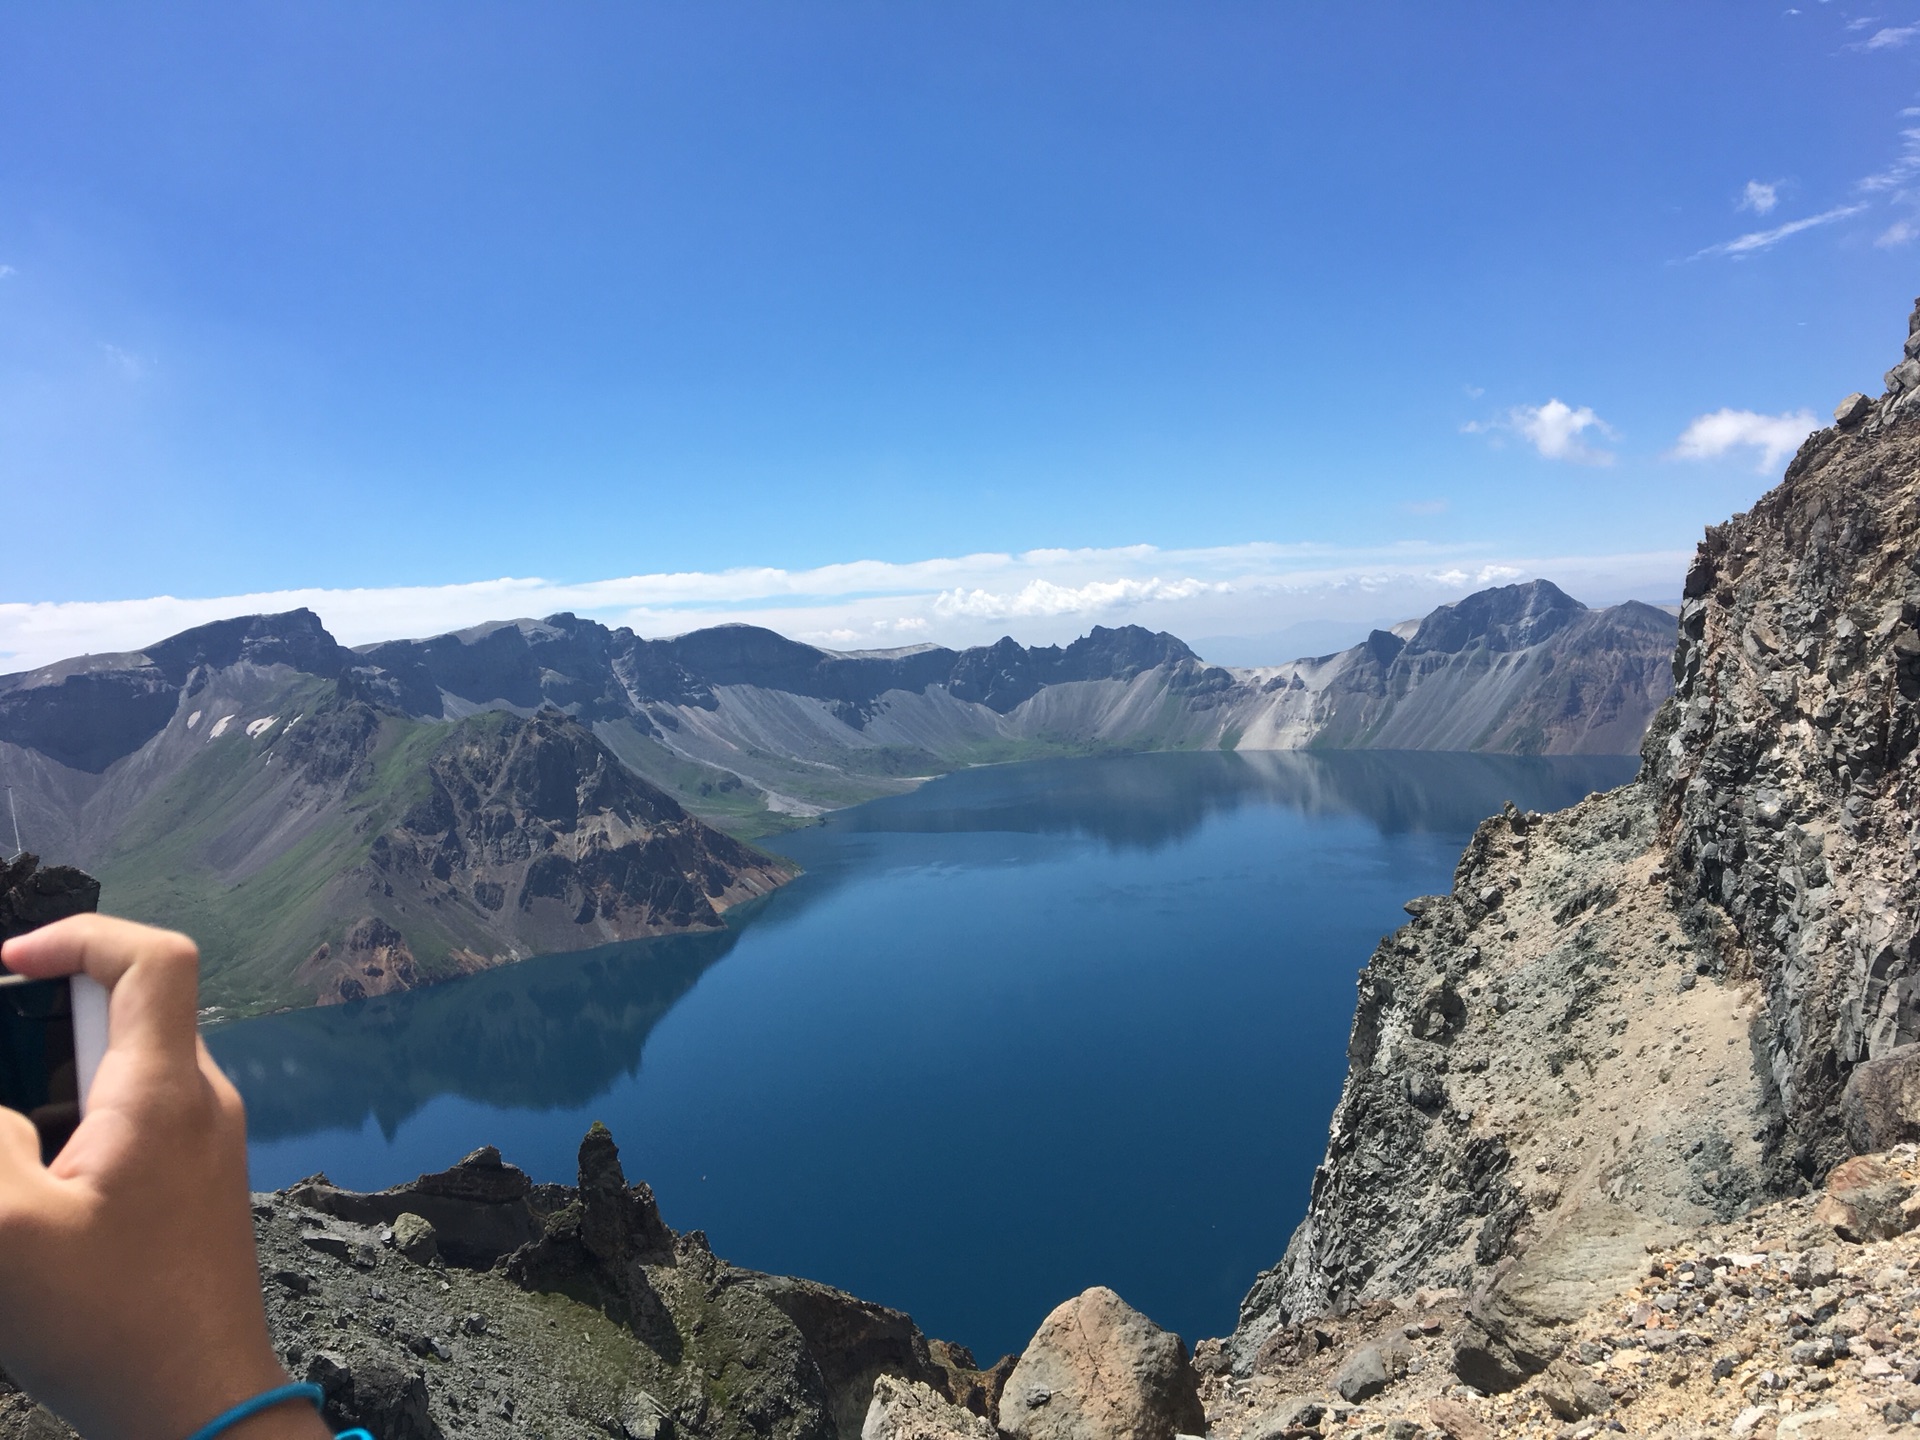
(89, 1032)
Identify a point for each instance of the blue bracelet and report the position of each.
(265, 1400)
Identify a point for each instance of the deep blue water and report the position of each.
(1027, 1029)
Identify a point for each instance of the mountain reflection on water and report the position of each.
(1026, 1029)
(1144, 802)
(545, 1035)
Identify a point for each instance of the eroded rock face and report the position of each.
(1097, 1369)
(1684, 997)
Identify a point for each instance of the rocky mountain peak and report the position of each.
(295, 638)
(1505, 618)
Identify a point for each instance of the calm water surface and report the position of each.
(1025, 1030)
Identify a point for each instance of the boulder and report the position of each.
(1864, 1201)
(415, 1238)
(909, 1410)
(1364, 1376)
(1881, 1105)
(1097, 1369)
(1852, 410)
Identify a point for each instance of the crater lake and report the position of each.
(1023, 1030)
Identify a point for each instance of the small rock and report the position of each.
(1292, 1417)
(1747, 1419)
(1571, 1393)
(1455, 1420)
(644, 1418)
(1852, 410)
(292, 1280)
(1822, 1266)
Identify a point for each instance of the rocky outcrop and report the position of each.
(1097, 1369)
(1671, 1002)
(598, 1321)
(530, 837)
(908, 1410)
(32, 895)
(1772, 1325)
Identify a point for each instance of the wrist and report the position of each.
(295, 1420)
(292, 1416)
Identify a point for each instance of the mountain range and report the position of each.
(334, 823)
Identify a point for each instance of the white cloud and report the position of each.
(7, 272)
(1903, 169)
(1479, 579)
(1891, 37)
(1556, 429)
(1759, 197)
(1759, 240)
(1898, 233)
(1774, 437)
(1043, 596)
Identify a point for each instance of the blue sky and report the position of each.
(920, 321)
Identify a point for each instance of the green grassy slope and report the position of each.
(254, 921)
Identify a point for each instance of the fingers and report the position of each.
(153, 976)
(225, 1096)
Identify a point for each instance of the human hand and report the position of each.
(129, 1288)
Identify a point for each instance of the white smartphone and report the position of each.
(53, 1035)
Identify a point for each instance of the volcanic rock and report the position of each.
(1097, 1369)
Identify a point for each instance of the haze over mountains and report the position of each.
(336, 822)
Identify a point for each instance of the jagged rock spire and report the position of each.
(1902, 381)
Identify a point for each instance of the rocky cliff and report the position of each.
(1642, 1014)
